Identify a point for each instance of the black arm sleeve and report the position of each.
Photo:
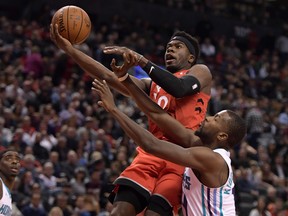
(177, 87)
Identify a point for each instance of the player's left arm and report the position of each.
(198, 79)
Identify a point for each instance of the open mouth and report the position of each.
(169, 58)
(14, 169)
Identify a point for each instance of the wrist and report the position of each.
(113, 110)
(148, 68)
(139, 59)
(142, 61)
(70, 50)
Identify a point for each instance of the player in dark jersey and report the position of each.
(159, 191)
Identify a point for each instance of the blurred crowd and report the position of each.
(72, 150)
(263, 12)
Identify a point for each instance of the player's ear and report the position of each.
(191, 58)
(222, 136)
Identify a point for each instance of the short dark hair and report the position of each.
(236, 127)
(192, 40)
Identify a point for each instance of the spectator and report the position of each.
(49, 181)
(35, 208)
(79, 209)
(71, 164)
(79, 181)
(61, 148)
(34, 63)
(62, 202)
(281, 44)
(208, 49)
(254, 118)
(55, 211)
(6, 133)
(54, 159)
(261, 208)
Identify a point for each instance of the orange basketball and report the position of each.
(73, 23)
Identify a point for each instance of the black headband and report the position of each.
(186, 42)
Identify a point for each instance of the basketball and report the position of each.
(73, 23)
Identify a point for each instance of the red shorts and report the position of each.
(154, 175)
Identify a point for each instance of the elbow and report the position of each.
(177, 94)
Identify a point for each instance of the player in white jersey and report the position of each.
(9, 169)
(205, 151)
(214, 201)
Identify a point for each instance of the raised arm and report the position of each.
(198, 79)
(94, 68)
(194, 157)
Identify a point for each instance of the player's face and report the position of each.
(177, 56)
(10, 163)
(212, 125)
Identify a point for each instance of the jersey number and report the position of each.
(162, 101)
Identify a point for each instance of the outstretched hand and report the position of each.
(121, 70)
(130, 58)
(117, 50)
(60, 41)
(102, 89)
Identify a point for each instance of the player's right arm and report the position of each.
(94, 68)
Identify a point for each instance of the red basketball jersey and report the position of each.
(189, 110)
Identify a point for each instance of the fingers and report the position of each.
(97, 84)
(54, 33)
(126, 58)
(116, 50)
(113, 65)
(112, 50)
(110, 47)
(100, 86)
(100, 103)
(52, 36)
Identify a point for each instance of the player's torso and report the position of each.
(197, 199)
(5, 202)
(189, 110)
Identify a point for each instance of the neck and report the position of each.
(8, 183)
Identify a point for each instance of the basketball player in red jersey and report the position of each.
(183, 90)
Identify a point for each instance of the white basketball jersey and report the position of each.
(198, 200)
(5, 201)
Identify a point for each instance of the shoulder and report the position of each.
(202, 67)
(200, 70)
